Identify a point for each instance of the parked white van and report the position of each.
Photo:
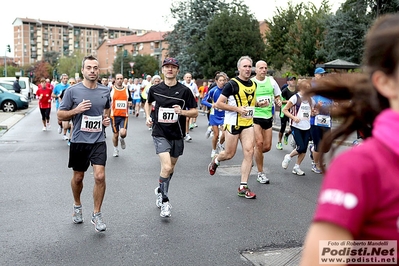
(26, 88)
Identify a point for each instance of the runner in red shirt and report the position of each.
(44, 95)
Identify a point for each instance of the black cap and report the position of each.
(291, 78)
(170, 61)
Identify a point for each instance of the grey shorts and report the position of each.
(174, 147)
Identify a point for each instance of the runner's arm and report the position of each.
(147, 110)
(221, 104)
(65, 115)
(321, 231)
(192, 112)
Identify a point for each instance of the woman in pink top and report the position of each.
(359, 197)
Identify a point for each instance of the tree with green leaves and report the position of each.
(380, 7)
(277, 48)
(51, 57)
(306, 36)
(69, 64)
(145, 64)
(231, 34)
(188, 34)
(345, 32)
(122, 60)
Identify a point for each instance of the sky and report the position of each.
(150, 15)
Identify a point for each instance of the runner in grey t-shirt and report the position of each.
(86, 128)
(88, 104)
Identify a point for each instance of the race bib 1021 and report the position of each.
(91, 123)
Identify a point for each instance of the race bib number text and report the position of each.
(250, 112)
(263, 99)
(167, 115)
(120, 104)
(91, 123)
(322, 120)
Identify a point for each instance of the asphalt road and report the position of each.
(210, 224)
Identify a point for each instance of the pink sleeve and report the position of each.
(346, 194)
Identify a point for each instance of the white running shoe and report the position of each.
(59, 129)
(286, 161)
(220, 147)
(262, 178)
(123, 144)
(296, 170)
(158, 202)
(208, 132)
(165, 209)
(77, 217)
(44, 128)
(293, 143)
(97, 220)
(187, 137)
(48, 126)
(65, 137)
(116, 152)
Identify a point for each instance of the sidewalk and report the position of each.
(7, 120)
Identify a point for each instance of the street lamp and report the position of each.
(5, 59)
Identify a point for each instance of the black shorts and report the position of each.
(235, 130)
(174, 147)
(82, 154)
(264, 123)
(45, 112)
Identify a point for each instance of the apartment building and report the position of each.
(149, 43)
(33, 38)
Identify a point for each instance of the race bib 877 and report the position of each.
(167, 115)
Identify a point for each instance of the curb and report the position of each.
(15, 117)
(11, 121)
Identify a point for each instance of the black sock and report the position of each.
(164, 187)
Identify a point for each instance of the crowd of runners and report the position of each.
(242, 109)
(238, 108)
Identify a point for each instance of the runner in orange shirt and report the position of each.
(121, 100)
